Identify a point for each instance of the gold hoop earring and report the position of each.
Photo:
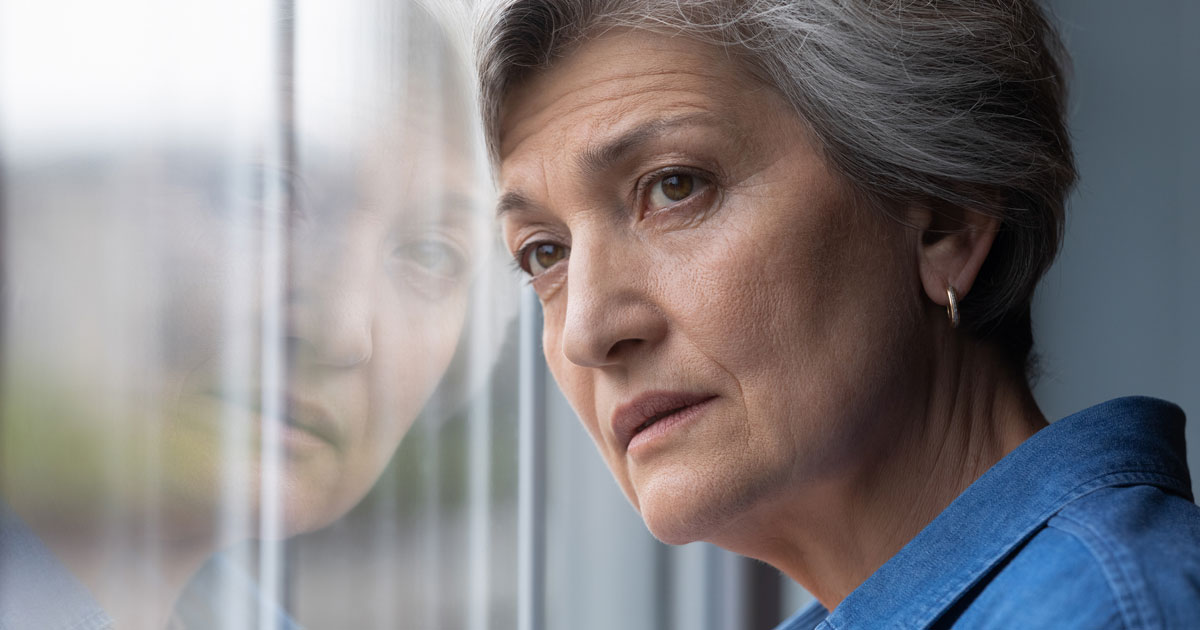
(952, 307)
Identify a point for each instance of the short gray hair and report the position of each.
(950, 103)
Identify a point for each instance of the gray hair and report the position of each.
(948, 103)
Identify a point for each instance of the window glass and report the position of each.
(252, 307)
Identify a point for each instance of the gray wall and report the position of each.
(1119, 312)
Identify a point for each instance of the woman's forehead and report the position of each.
(606, 81)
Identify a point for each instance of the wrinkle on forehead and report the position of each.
(619, 71)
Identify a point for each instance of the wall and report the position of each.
(1118, 313)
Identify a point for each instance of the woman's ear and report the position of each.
(954, 242)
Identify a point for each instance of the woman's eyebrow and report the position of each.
(602, 157)
(514, 201)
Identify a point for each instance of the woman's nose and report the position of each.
(332, 307)
(611, 315)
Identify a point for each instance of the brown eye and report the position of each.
(542, 256)
(677, 187)
(673, 189)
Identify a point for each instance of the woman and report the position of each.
(785, 252)
(204, 344)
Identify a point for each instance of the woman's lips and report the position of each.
(301, 422)
(312, 418)
(653, 413)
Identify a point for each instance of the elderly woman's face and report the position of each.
(720, 314)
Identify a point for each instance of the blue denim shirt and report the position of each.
(36, 590)
(38, 593)
(1088, 524)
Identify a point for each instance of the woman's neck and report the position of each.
(831, 534)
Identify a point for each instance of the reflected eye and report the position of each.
(433, 256)
(674, 188)
(539, 257)
(250, 206)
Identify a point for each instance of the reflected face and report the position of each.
(165, 366)
(718, 311)
(379, 262)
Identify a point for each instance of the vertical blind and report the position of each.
(251, 311)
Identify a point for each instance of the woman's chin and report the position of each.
(677, 510)
(689, 503)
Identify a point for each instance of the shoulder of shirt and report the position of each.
(1118, 557)
(1146, 543)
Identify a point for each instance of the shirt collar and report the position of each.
(1123, 441)
(36, 590)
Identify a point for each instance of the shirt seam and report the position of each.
(1120, 571)
(929, 612)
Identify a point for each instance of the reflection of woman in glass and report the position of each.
(166, 395)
